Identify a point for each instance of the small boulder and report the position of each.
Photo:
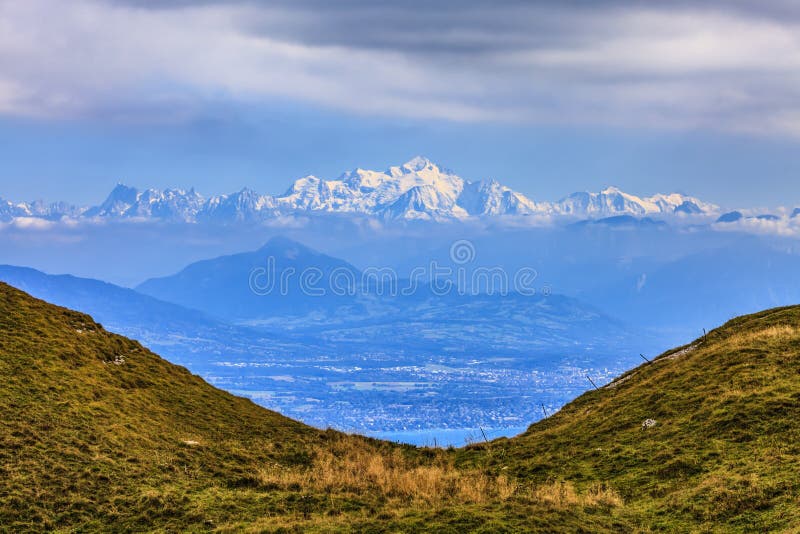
(648, 423)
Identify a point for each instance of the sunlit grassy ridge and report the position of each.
(724, 454)
(100, 434)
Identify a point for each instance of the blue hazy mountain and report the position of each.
(736, 216)
(185, 336)
(380, 312)
(731, 216)
(282, 278)
(107, 303)
(391, 315)
(420, 322)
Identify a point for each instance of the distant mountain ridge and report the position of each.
(181, 333)
(416, 190)
(38, 209)
(224, 285)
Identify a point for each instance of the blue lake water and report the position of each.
(445, 437)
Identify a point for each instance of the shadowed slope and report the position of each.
(98, 429)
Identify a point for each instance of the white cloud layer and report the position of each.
(727, 66)
(784, 226)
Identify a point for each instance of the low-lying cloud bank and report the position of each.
(769, 225)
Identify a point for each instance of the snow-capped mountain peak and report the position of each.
(424, 202)
(489, 197)
(373, 192)
(419, 164)
(169, 204)
(611, 190)
(613, 201)
(680, 203)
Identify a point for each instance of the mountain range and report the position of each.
(342, 303)
(212, 301)
(416, 190)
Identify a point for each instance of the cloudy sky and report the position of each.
(549, 97)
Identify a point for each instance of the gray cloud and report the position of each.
(732, 66)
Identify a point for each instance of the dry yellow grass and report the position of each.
(775, 332)
(339, 469)
(564, 495)
(388, 474)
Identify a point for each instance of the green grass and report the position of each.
(100, 434)
(725, 453)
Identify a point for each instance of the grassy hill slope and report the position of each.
(97, 430)
(724, 454)
(100, 434)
